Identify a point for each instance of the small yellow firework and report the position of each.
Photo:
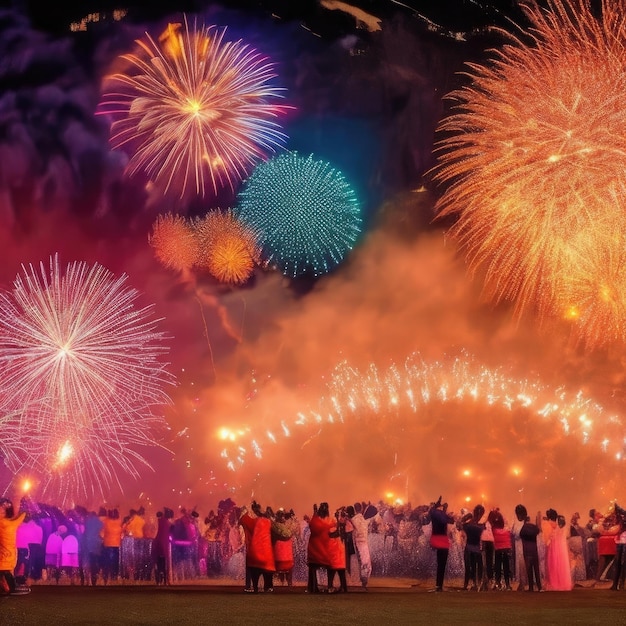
(228, 248)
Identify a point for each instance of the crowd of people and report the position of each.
(326, 551)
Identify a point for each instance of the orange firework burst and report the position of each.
(228, 249)
(534, 159)
(174, 242)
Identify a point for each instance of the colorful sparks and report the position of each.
(81, 376)
(534, 162)
(196, 111)
(174, 242)
(500, 431)
(304, 212)
(228, 248)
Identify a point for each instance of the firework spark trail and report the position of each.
(198, 113)
(534, 162)
(380, 394)
(80, 372)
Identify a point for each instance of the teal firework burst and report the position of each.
(304, 212)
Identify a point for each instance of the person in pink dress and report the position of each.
(558, 571)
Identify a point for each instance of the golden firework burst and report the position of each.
(228, 248)
(534, 165)
(174, 242)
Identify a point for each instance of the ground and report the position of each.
(388, 601)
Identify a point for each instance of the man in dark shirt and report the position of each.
(439, 540)
(528, 534)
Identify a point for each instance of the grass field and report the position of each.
(49, 605)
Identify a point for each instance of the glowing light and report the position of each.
(197, 112)
(65, 453)
(304, 213)
(174, 242)
(535, 420)
(227, 248)
(80, 376)
(534, 163)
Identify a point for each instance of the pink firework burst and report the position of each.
(82, 376)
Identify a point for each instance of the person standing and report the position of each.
(161, 550)
(488, 551)
(91, 549)
(518, 553)
(284, 526)
(559, 574)
(502, 546)
(528, 535)
(474, 529)
(9, 523)
(620, 541)
(337, 552)
(360, 538)
(54, 552)
(29, 546)
(259, 552)
(70, 557)
(318, 546)
(111, 542)
(439, 539)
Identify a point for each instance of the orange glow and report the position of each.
(174, 242)
(228, 249)
(534, 162)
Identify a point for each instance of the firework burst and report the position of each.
(228, 248)
(534, 165)
(174, 242)
(515, 432)
(197, 112)
(80, 376)
(305, 214)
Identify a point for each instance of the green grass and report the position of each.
(49, 605)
